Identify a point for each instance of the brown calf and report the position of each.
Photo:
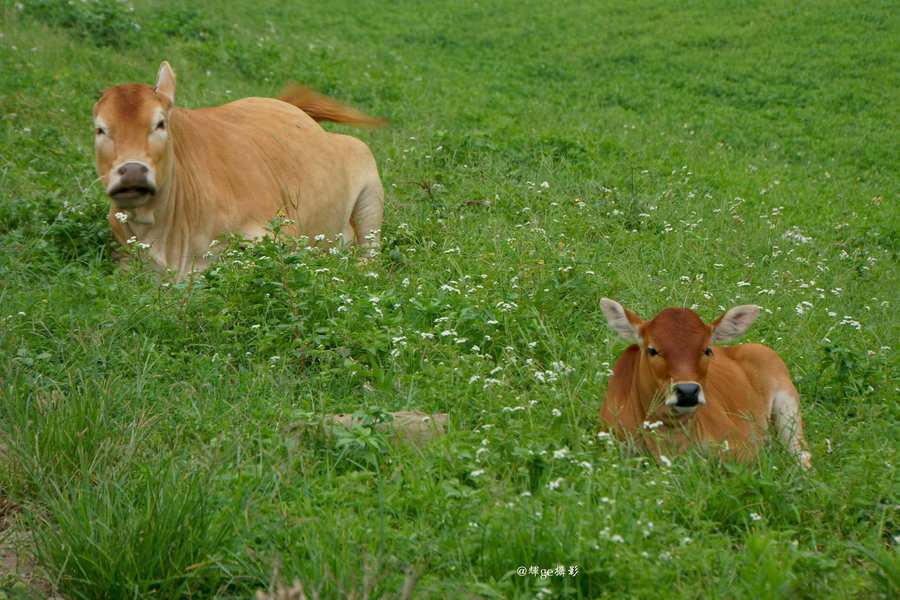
(675, 388)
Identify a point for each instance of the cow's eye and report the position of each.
(99, 131)
(161, 126)
(652, 351)
(708, 352)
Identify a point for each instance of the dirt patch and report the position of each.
(18, 572)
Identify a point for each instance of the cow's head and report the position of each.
(131, 139)
(676, 349)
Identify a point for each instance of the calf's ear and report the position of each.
(165, 82)
(623, 321)
(733, 323)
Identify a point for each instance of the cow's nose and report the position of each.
(133, 169)
(133, 173)
(132, 166)
(687, 394)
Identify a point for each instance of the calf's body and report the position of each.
(674, 389)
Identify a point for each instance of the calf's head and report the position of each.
(132, 148)
(676, 350)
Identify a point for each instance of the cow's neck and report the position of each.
(646, 391)
(141, 220)
(159, 225)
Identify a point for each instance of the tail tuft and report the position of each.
(323, 108)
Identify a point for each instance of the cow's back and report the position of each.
(742, 380)
(240, 163)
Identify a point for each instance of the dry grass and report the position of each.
(357, 588)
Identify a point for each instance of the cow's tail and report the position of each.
(323, 108)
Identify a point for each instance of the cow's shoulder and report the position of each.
(625, 367)
(620, 408)
(754, 360)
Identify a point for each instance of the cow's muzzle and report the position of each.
(685, 397)
(132, 185)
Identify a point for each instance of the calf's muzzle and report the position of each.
(687, 395)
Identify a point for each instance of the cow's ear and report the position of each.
(165, 82)
(623, 321)
(733, 323)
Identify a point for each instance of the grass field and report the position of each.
(156, 437)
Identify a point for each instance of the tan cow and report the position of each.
(675, 388)
(179, 179)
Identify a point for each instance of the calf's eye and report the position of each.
(99, 131)
(161, 126)
(652, 351)
(708, 352)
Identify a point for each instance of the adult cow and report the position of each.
(179, 179)
(675, 388)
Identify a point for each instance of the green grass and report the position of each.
(702, 155)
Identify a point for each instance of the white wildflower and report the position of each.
(561, 368)
(795, 236)
(848, 320)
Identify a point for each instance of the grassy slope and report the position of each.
(147, 425)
